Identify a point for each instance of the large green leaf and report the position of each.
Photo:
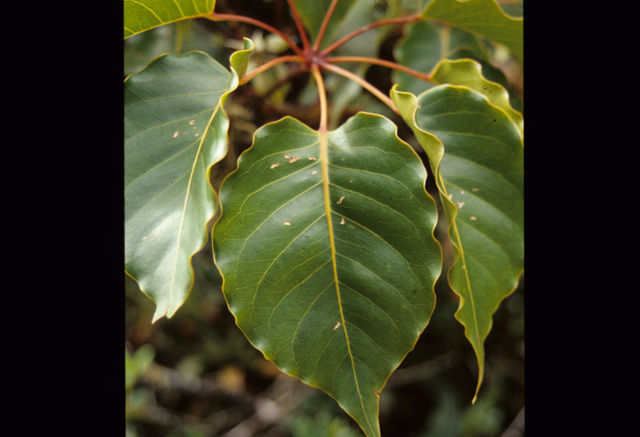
(476, 153)
(175, 130)
(141, 15)
(326, 248)
(482, 17)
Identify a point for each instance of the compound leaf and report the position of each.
(175, 130)
(476, 152)
(142, 15)
(326, 248)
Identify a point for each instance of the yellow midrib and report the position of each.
(324, 163)
(184, 207)
(473, 307)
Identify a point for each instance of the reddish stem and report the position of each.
(243, 19)
(290, 75)
(384, 63)
(264, 67)
(299, 25)
(325, 24)
(323, 98)
(363, 83)
(344, 39)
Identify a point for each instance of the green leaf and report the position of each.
(312, 13)
(326, 248)
(175, 130)
(425, 44)
(468, 72)
(420, 50)
(482, 17)
(141, 15)
(476, 153)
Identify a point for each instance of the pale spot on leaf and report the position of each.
(461, 191)
(314, 172)
(274, 165)
(312, 158)
(286, 223)
(339, 202)
(175, 134)
(337, 325)
(290, 158)
(191, 122)
(473, 217)
(342, 221)
(196, 134)
(475, 190)
(450, 196)
(460, 204)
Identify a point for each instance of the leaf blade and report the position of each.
(175, 130)
(468, 72)
(142, 15)
(292, 244)
(482, 17)
(475, 151)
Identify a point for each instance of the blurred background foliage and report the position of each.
(196, 375)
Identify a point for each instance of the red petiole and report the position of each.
(313, 60)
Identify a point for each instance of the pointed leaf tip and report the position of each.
(293, 245)
(476, 154)
(175, 130)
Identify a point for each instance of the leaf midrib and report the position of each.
(184, 206)
(324, 163)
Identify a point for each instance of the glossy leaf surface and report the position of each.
(468, 73)
(482, 17)
(141, 15)
(425, 44)
(476, 152)
(419, 49)
(175, 129)
(326, 248)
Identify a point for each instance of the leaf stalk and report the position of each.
(322, 94)
(348, 37)
(241, 18)
(299, 25)
(324, 25)
(363, 83)
(264, 67)
(423, 76)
